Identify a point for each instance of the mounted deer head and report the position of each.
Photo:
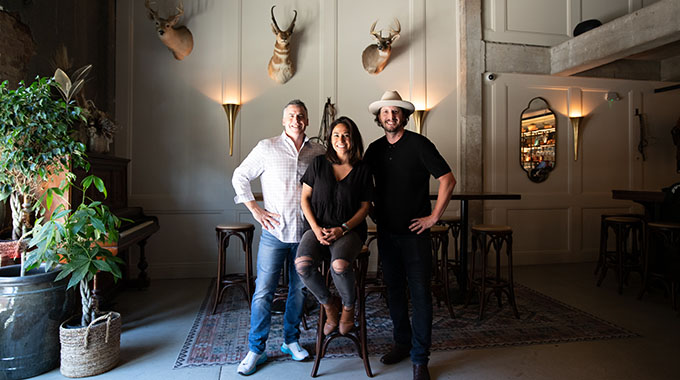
(280, 66)
(178, 39)
(375, 56)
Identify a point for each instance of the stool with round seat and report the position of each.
(440, 260)
(662, 258)
(604, 237)
(622, 260)
(453, 224)
(487, 236)
(244, 280)
(358, 333)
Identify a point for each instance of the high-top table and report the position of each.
(651, 200)
(465, 198)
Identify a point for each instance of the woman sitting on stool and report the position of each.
(336, 192)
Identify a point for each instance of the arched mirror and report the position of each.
(537, 140)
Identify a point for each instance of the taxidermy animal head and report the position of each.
(178, 39)
(280, 66)
(375, 56)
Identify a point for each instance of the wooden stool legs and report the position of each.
(488, 236)
(358, 337)
(244, 281)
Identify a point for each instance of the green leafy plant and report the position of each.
(35, 145)
(73, 239)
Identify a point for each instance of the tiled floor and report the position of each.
(156, 323)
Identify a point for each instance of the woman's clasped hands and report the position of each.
(326, 236)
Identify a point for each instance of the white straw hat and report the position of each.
(391, 99)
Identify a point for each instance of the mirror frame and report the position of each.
(547, 134)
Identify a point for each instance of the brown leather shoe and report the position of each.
(332, 310)
(420, 372)
(397, 353)
(346, 320)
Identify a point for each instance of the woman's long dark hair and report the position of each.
(356, 151)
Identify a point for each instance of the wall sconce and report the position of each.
(575, 124)
(232, 110)
(418, 119)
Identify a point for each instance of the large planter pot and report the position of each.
(90, 350)
(31, 309)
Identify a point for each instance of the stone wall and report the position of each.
(16, 48)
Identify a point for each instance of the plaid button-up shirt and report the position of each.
(280, 167)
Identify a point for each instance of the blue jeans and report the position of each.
(270, 259)
(407, 260)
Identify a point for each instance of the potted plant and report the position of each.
(75, 239)
(35, 146)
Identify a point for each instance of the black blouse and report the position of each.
(335, 202)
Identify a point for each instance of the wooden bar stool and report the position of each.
(487, 236)
(440, 260)
(358, 334)
(453, 224)
(622, 260)
(662, 258)
(281, 294)
(374, 281)
(604, 237)
(243, 281)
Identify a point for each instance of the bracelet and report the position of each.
(345, 228)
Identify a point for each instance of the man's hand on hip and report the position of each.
(419, 225)
(265, 218)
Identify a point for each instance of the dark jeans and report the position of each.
(407, 260)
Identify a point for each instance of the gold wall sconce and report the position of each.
(419, 119)
(575, 125)
(232, 111)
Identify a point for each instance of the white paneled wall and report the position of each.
(558, 220)
(548, 22)
(174, 128)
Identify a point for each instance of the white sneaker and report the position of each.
(249, 364)
(298, 353)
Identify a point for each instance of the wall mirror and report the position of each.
(537, 140)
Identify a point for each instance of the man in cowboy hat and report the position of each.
(402, 162)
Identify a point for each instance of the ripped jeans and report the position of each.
(346, 248)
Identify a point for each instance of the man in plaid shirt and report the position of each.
(279, 162)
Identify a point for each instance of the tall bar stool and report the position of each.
(604, 237)
(245, 280)
(440, 260)
(488, 236)
(453, 224)
(374, 283)
(358, 334)
(662, 258)
(281, 294)
(622, 260)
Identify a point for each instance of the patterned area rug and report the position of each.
(223, 338)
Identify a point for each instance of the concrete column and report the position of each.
(471, 68)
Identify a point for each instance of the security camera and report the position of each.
(490, 76)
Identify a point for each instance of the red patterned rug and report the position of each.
(222, 338)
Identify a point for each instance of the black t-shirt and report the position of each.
(335, 202)
(402, 179)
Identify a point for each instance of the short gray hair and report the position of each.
(299, 103)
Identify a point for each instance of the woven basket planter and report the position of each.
(91, 350)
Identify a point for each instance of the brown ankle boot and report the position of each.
(346, 320)
(332, 310)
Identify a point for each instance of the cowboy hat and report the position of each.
(391, 99)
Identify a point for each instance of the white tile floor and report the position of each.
(156, 323)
